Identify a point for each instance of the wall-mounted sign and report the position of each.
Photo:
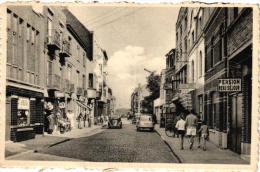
(229, 85)
(23, 103)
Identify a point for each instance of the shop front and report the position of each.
(24, 113)
(240, 116)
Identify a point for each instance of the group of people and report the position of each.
(192, 126)
(58, 120)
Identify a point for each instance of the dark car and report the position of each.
(114, 122)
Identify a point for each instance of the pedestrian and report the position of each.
(198, 129)
(176, 119)
(191, 124)
(70, 116)
(180, 126)
(204, 134)
(84, 118)
(79, 120)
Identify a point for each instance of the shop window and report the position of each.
(23, 113)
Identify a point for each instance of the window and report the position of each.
(9, 19)
(78, 78)
(83, 81)
(20, 28)
(28, 32)
(185, 23)
(192, 71)
(193, 37)
(15, 24)
(201, 114)
(212, 53)
(78, 51)
(200, 64)
(23, 113)
(69, 72)
(49, 72)
(91, 80)
(33, 35)
(180, 32)
(84, 59)
(49, 23)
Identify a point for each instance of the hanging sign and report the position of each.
(229, 85)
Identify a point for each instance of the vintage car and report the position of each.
(114, 122)
(145, 121)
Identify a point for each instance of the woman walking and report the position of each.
(180, 126)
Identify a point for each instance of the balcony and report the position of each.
(54, 82)
(54, 40)
(72, 88)
(80, 91)
(66, 49)
(92, 93)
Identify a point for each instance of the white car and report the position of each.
(145, 121)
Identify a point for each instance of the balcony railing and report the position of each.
(80, 91)
(54, 82)
(54, 40)
(66, 49)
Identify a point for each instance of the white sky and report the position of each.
(134, 38)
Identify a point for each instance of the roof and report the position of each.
(80, 32)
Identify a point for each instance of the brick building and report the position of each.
(239, 59)
(25, 74)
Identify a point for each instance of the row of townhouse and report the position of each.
(213, 44)
(51, 59)
(137, 97)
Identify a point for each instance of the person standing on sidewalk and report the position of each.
(198, 129)
(204, 134)
(191, 124)
(180, 126)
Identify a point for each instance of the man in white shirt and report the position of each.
(180, 125)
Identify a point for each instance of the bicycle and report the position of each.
(170, 130)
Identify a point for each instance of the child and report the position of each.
(204, 130)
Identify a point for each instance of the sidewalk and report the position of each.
(46, 140)
(213, 154)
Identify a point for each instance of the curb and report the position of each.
(176, 156)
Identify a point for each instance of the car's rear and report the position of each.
(114, 122)
(145, 122)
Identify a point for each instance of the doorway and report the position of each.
(236, 122)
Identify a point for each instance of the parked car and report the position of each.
(145, 121)
(115, 122)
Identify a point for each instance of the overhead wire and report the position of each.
(118, 18)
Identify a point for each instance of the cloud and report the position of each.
(126, 70)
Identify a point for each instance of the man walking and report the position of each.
(191, 124)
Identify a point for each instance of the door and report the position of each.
(236, 123)
(8, 119)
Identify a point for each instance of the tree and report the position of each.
(153, 85)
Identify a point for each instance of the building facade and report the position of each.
(25, 74)
(239, 60)
(51, 63)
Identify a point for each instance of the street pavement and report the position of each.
(110, 145)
